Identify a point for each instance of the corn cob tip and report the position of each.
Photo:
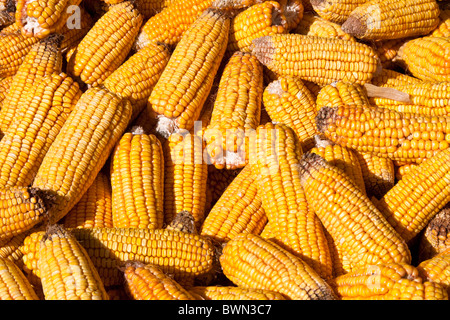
(54, 41)
(166, 126)
(318, 4)
(354, 27)
(275, 88)
(322, 142)
(10, 6)
(183, 221)
(55, 229)
(263, 49)
(323, 116)
(308, 161)
(137, 130)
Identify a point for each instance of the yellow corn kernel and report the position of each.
(317, 59)
(418, 196)
(94, 209)
(11, 249)
(218, 181)
(342, 93)
(13, 283)
(435, 238)
(250, 261)
(67, 272)
(5, 84)
(185, 176)
(387, 51)
(39, 117)
(274, 159)
(236, 110)
(392, 281)
(289, 101)
(381, 19)
(178, 96)
(234, 293)
(386, 133)
(81, 148)
(135, 78)
(238, 210)
(335, 11)
(402, 169)
(137, 181)
(392, 78)
(106, 45)
(149, 282)
(443, 28)
(436, 269)
(353, 222)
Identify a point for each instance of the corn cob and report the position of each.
(392, 78)
(238, 210)
(10, 249)
(106, 45)
(427, 98)
(135, 78)
(43, 59)
(393, 281)
(443, 28)
(13, 283)
(81, 148)
(436, 269)
(41, 18)
(274, 158)
(168, 25)
(387, 51)
(435, 238)
(20, 209)
(378, 173)
(234, 293)
(418, 196)
(313, 25)
(137, 181)
(178, 96)
(342, 158)
(335, 11)
(185, 176)
(67, 272)
(384, 19)
(386, 133)
(263, 19)
(317, 59)
(148, 282)
(30, 255)
(94, 209)
(250, 261)
(237, 109)
(39, 118)
(426, 58)
(7, 12)
(187, 257)
(5, 84)
(354, 223)
(403, 169)
(288, 101)
(342, 93)
(218, 181)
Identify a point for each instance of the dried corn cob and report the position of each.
(387, 51)
(7, 12)
(342, 93)
(378, 173)
(384, 19)
(335, 10)
(178, 96)
(394, 281)
(234, 293)
(135, 78)
(20, 209)
(353, 222)
(250, 261)
(94, 209)
(30, 255)
(169, 24)
(148, 282)
(67, 272)
(263, 19)
(418, 196)
(106, 45)
(435, 238)
(137, 181)
(81, 148)
(274, 158)
(185, 176)
(386, 133)
(37, 122)
(10, 249)
(342, 158)
(238, 210)
(13, 283)
(426, 58)
(436, 269)
(288, 100)
(237, 109)
(187, 257)
(443, 28)
(43, 59)
(392, 78)
(317, 59)
(427, 98)
(313, 25)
